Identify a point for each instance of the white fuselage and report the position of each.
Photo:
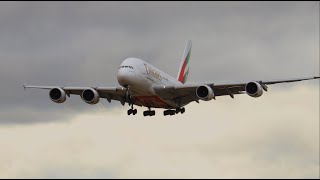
(140, 77)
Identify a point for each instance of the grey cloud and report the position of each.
(83, 43)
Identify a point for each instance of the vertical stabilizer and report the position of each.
(184, 66)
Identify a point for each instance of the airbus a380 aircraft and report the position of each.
(144, 85)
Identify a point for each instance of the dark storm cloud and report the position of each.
(83, 43)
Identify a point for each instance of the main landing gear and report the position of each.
(149, 113)
(173, 112)
(152, 112)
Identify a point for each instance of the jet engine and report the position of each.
(57, 95)
(254, 89)
(90, 96)
(204, 93)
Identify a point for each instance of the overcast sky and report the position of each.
(83, 43)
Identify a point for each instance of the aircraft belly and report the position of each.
(152, 101)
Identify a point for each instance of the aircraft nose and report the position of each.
(124, 77)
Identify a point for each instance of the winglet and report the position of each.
(24, 86)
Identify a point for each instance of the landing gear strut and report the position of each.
(149, 113)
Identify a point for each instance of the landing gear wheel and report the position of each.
(182, 110)
(169, 112)
(149, 113)
(130, 112)
(145, 113)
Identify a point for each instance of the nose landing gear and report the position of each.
(132, 111)
(130, 101)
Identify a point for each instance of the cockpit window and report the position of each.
(126, 67)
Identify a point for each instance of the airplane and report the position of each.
(142, 84)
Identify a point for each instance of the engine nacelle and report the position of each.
(90, 96)
(204, 93)
(57, 95)
(254, 89)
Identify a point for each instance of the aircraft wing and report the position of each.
(109, 93)
(187, 93)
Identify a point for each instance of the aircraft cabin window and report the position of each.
(126, 67)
